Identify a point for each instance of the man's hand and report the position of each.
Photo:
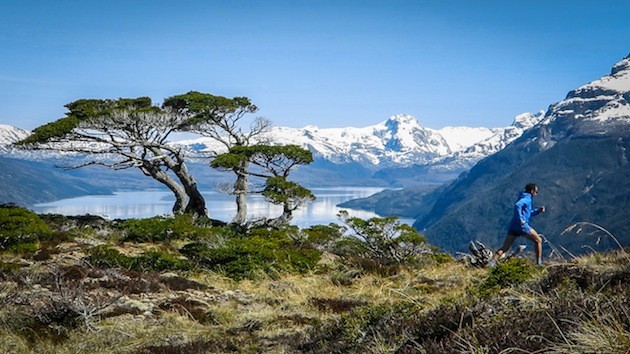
(542, 209)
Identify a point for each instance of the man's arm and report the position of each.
(521, 206)
(538, 210)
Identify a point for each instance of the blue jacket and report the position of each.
(523, 210)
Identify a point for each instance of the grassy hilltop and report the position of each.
(178, 285)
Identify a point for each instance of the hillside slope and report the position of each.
(578, 157)
(29, 182)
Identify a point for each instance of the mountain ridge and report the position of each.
(578, 156)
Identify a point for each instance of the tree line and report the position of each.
(129, 133)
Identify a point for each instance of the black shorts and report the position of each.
(522, 231)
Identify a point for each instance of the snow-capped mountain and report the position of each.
(601, 107)
(400, 140)
(459, 138)
(501, 137)
(397, 142)
(10, 134)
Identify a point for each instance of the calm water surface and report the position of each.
(148, 203)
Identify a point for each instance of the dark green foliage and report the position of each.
(323, 236)
(160, 229)
(56, 129)
(89, 108)
(280, 191)
(22, 248)
(267, 155)
(106, 257)
(158, 261)
(228, 161)
(20, 226)
(207, 108)
(382, 242)
(272, 252)
(82, 110)
(514, 271)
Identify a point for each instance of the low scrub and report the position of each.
(107, 257)
(161, 229)
(514, 271)
(244, 256)
(20, 228)
(382, 244)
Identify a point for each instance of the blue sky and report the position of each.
(329, 63)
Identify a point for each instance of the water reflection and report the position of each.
(147, 203)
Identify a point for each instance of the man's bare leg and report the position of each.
(509, 240)
(537, 239)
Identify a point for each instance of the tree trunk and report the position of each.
(287, 214)
(161, 176)
(196, 202)
(240, 190)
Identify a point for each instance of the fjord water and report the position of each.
(148, 203)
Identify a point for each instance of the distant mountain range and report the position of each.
(577, 154)
(398, 142)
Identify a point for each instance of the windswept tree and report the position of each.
(221, 119)
(121, 134)
(274, 164)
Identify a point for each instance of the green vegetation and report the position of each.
(511, 272)
(180, 284)
(261, 252)
(384, 242)
(20, 228)
(163, 229)
(150, 261)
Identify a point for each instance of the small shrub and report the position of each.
(323, 236)
(106, 257)
(20, 226)
(382, 244)
(511, 272)
(23, 248)
(53, 322)
(271, 252)
(160, 229)
(158, 261)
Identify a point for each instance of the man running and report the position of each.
(519, 226)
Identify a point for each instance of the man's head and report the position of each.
(531, 188)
